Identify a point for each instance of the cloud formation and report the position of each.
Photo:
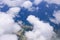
(27, 4)
(8, 37)
(13, 3)
(57, 17)
(41, 30)
(8, 25)
(17, 3)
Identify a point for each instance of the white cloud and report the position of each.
(9, 37)
(41, 30)
(17, 3)
(7, 23)
(13, 11)
(27, 4)
(53, 1)
(57, 17)
(13, 3)
(36, 2)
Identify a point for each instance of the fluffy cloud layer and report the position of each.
(13, 3)
(25, 3)
(41, 30)
(9, 37)
(8, 25)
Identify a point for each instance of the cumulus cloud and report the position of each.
(27, 4)
(57, 17)
(13, 3)
(53, 1)
(41, 30)
(7, 20)
(13, 11)
(16, 3)
(8, 25)
(36, 2)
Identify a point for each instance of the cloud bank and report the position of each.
(13, 3)
(41, 30)
(8, 27)
(17, 3)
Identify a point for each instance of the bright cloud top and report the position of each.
(36, 2)
(13, 11)
(13, 3)
(27, 4)
(8, 25)
(41, 30)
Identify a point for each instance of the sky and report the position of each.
(43, 15)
